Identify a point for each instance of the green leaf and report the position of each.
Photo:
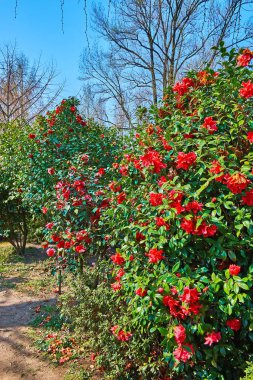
(226, 288)
(176, 267)
(243, 285)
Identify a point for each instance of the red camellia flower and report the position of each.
(44, 244)
(31, 136)
(183, 87)
(247, 199)
(121, 334)
(244, 58)
(174, 306)
(72, 108)
(179, 334)
(139, 236)
(160, 222)
(124, 170)
(213, 337)
(101, 172)
(116, 286)
(120, 274)
(162, 180)
(234, 270)
(190, 295)
(154, 159)
(51, 252)
(185, 160)
(85, 158)
(194, 206)
(114, 187)
(44, 210)
(216, 167)
(118, 259)
(121, 197)
(80, 249)
(183, 355)
(234, 324)
(208, 231)
(210, 124)
(250, 137)
(51, 171)
(156, 199)
(141, 292)
(188, 225)
(237, 182)
(49, 226)
(246, 90)
(155, 255)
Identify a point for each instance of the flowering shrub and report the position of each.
(14, 215)
(69, 158)
(180, 218)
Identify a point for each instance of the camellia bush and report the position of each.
(180, 219)
(68, 163)
(15, 218)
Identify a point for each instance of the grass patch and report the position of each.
(8, 254)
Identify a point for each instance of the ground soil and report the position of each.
(18, 358)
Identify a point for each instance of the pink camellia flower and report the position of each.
(50, 171)
(213, 337)
(179, 334)
(44, 210)
(234, 324)
(51, 252)
(234, 270)
(183, 355)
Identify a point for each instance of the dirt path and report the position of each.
(18, 359)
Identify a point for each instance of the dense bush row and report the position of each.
(181, 219)
(172, 211)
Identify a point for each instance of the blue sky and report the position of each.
(37, 31)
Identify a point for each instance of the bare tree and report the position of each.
(104, 77)
(148, 44)
(25, 90)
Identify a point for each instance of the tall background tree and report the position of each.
(148, 44)
(26, 89)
